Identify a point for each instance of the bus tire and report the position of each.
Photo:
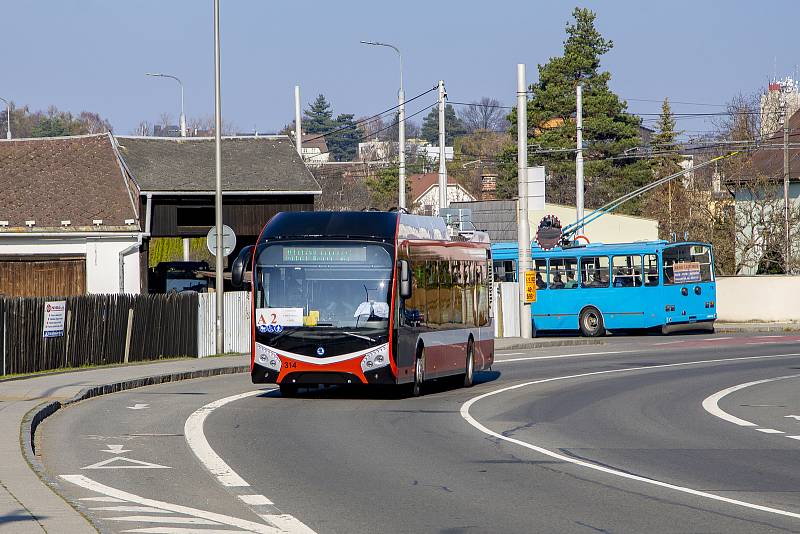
(419, 373)
(288, 390)
(469, 375)
(591, 322)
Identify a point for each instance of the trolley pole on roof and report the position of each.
(523, 226)
(218, 197)
(579, 156)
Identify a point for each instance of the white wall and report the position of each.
(102, 258)
(455, 193)
(758, 298)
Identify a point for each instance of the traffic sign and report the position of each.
(530, 287)
(228, 240)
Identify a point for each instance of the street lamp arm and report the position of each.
(180, 84)
(393, 47)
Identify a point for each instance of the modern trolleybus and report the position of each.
(599, 287)
(367, 298)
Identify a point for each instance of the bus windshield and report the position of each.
(686, 264)
(333, 292)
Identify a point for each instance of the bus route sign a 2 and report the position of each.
(530, 287)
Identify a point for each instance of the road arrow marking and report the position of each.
(115, 449)
(795, 417)
(131, 464)
(138, 406)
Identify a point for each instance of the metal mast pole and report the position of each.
(218, 198)
(401, 134)
(298, 130)
(442, 164)
(523, 226)
(788, 254)
(8, 118)
(579, 156)
(183, 115)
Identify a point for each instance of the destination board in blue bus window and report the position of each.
(325, 254)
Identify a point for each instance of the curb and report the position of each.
(755, 328)
(552, 343)
(35, 417)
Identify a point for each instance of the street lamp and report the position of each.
(401, 126)
(8, 118)
(183, 117)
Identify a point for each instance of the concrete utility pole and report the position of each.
(298, 130)
(442, 165)
(579, 156)
(401, 127)
(8, 118)
(183, 116)
(788, 253)
(218, 197)
(523, 226)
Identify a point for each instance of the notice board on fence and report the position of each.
(55, 312)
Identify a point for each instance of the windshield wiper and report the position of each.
(359, 336)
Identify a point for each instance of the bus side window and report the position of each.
(562, 273)
(627, 271)
(594, 271)
(650, 270)
(540, 266)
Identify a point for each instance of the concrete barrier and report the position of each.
(758, 298)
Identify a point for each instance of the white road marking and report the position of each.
(139, 406)
(793, 437)
(139, 509)
(770, 431)
(180, 530)
(608, 470)
(511, 353)
(796, 417)
(115, 449)
(101, 499)
(671, 342)
(711, 403)
(130, 464)
(154, 519)
(97, 487)
(196, 439)
(715, 338)
(509, 360)
(255, 500)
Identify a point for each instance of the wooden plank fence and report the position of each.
(99, 329)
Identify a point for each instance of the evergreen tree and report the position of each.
(343, 144)
(608, 130)
(318, 118)
(453, 126)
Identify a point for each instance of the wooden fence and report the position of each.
(99, 329)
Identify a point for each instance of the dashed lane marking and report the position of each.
(558, 356)
(465, 413)
(770, 431)
(255, 500)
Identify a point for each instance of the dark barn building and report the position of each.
(261, 176)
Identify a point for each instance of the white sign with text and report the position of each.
(55, 313)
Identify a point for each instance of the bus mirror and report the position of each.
(240, 266)
(405, 280)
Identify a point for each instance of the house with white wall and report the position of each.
(425, 193)
(69, 218)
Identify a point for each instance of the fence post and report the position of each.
(128, 333)
(66, 340)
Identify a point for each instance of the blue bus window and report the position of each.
(540, 266)
(594, 271)
(563, 273)
(687, 264)
(627, 271)
(650, 270)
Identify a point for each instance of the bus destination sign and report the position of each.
(325, 254)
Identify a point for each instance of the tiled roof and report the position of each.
(187, 164)
(769, 160)
(420, 183)
(78, 179)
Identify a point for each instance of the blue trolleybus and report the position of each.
(597, 287)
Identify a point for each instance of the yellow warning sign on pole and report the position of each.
(530, 287)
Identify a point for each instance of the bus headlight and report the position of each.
(267, 358)
(376, 359)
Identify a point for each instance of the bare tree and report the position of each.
(485, 114)
(165, 119)
(94, 123)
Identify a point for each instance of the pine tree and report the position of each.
(343, 144)
(608, 130)
(318, 118)
(453, 126)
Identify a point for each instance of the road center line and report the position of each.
(608, 470)
(557, 356)
(196, 439)
(711, 403)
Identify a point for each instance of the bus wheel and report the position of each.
(469, 376)
(419, 374)
(288, 390)
(591, 322)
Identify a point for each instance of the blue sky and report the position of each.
(92, 54)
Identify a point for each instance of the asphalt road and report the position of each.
(614, 438)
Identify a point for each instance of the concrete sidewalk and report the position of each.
(735, 328)
(26, 503)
